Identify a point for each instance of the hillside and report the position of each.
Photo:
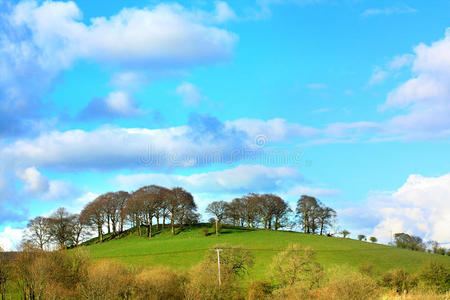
(188, 247)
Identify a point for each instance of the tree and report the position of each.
(373, 239)
(79, 226)
(93, 214)
(345, 233)
(149, 200)
(325, 216)
(361, 237)
(219, 210)
(280, 213)
(307, 208)
(61, 227)
(404, 240)
(180, 205)
(39, 231)
(296, 265)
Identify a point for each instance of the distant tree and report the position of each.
(280, 213)
(79, 225)
(404, 240)
(305, 207)
(219, 209)
(373, 239)
(61, 227)
(38, 231)
(345, 233)
(361, 237)
(150, 199)
(235, 212)
(180, 204)
(93, 214)
(325, 216)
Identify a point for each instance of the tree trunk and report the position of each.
(100, 233)
(172, 224)
(109, 229)
(151, 227)
(217, 227)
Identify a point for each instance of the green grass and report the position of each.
(181, 251)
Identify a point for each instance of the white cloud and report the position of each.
(223, 12)
(243, 178)
(190, 94)
(426, 96)
(388, 11)
(10, 238)
(35, 182)
(401, 61)
(378, 76)
(419, 207)
(149, 36)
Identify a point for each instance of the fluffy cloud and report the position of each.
(117, 105)
(39, 41)
(34, 181)
(190, 94)
(205, 140)
(149, 36)
(241, 179)
(10, 238)
(425, 98)
(419, 207)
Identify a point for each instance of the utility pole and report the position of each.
(218, 265)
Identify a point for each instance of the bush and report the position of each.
(346, 284)
(107, 280)
(398, 281)
(159, 284)
(259, 290)
(295, 265)
(436, 276)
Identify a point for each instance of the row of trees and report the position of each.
(114, 211)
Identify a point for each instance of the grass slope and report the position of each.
(187, 248)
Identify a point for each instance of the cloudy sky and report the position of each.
(348, 101)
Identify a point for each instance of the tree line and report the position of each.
(112, 212)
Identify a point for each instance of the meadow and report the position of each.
(188, 247)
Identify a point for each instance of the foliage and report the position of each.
(296, 265)
(406, 241)
(398, 280)
(436, 275)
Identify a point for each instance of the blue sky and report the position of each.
(347, 101)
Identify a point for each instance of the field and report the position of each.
(188, 247)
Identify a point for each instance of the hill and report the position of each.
(188, 247)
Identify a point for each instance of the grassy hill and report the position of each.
(188, 247)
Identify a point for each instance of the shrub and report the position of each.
(203, 280)
(398, 281)
(106, 280)
(258, 290)
(346, 284)
(373, 239)
(295, 265)
(159, 284)
(436, 276)
(361, 237)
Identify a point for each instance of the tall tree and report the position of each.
(61, 227)
(39, 231)
(219, 209)
(179, 203)
(94, 215)
(306, 210)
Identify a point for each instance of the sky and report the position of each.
(347, 101)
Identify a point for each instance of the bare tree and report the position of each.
(39, 231)
(94, 215)
(219, 209)
(61, 227)
(180, 204)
